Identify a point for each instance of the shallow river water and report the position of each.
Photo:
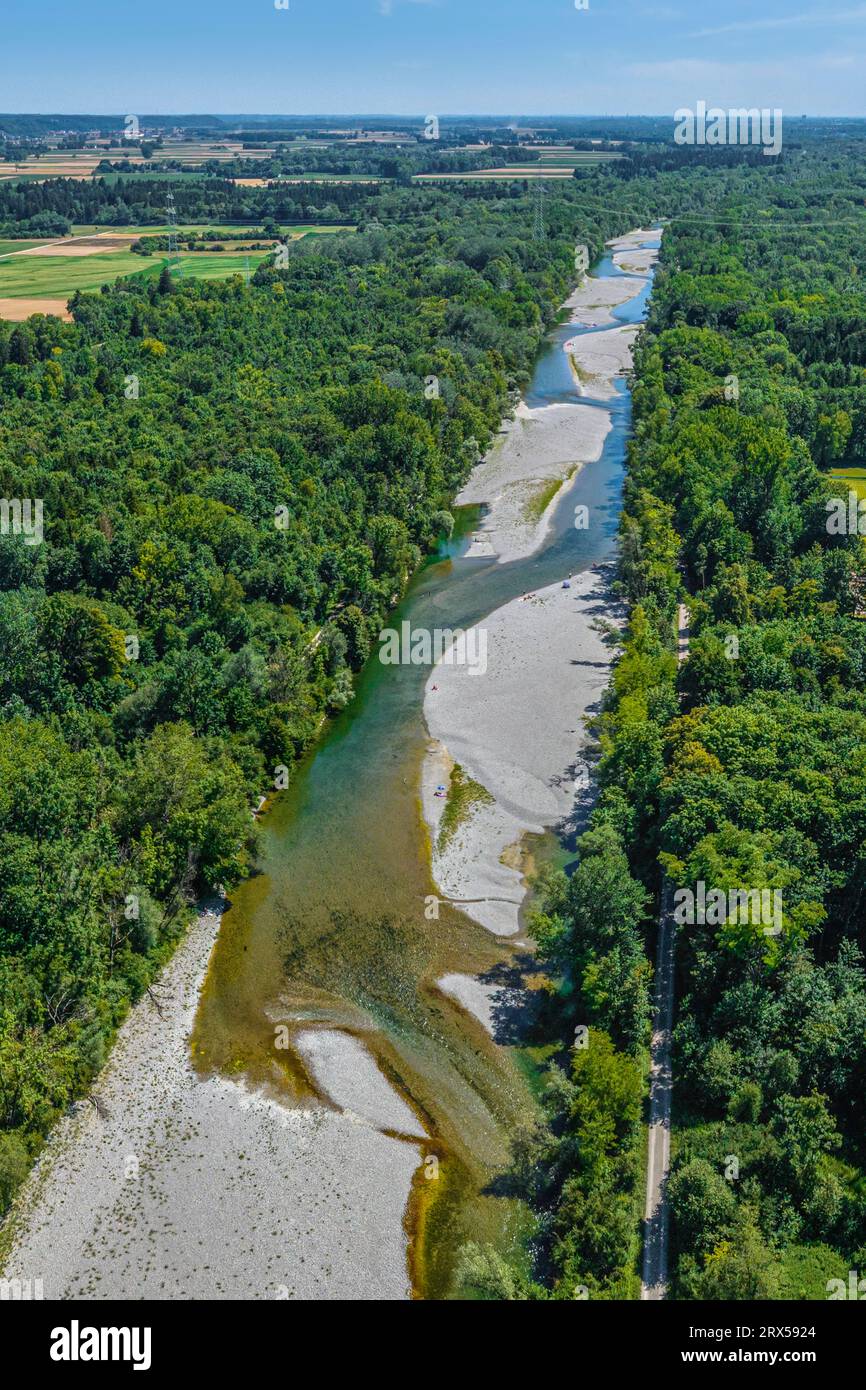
(332, 927)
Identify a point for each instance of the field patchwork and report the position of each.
(52, 271)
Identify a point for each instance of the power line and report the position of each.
(741, 224)
(538, 229)
(760, 223)
(765, 224)
(171, 214)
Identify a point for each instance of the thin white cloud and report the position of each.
(707, 70)
(791, 21)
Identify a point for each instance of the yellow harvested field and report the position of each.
(69, 164)
(16, 310)
(54, 166)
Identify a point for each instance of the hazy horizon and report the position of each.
(419, 115)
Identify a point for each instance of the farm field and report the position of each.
(10, 246)
(292, 229)
(208, 265)
(855, 478)
(82, 245)
(29, 277)
(152, 175)
(31, 286)
(90, 240)
(552, 164)
(80, 164)
(572, 157)
(195, 151)
(17, 310)
(56, 164)
(310, 178)
(314, 229)
(160, 229)
(55, 271)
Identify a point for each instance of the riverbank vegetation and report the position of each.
(236, 481)
(746, 768)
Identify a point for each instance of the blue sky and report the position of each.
(420, 56)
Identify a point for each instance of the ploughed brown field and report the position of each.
(83, 246)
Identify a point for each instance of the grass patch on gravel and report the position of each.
(463, 796)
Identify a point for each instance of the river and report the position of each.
(332, 929)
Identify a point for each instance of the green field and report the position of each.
(58, 277)
(31, 177)
(215, 265)
(566, 159)
(196, 228)
(555, 167)
(171, 175)
(854, 477)
(160, 229)
(6, 247)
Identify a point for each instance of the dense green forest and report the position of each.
(756, 774)
(374, 161)
(51, 208)
(237, 480)
(746, 768)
